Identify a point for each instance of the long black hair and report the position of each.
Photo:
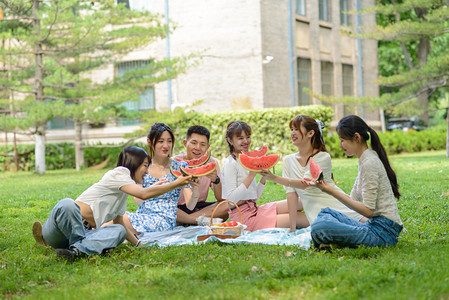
(350, 125)
(236, 127)
(131, 158)
(155, 133)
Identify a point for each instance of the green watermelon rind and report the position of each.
(175, 173)
(196, 162)
(249, 158)
(188, 171)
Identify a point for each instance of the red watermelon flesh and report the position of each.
(175, 173)
(315, 170)
(196, 161)
(200, 171)
(256, 164)
(257, 153)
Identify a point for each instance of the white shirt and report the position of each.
(373, 187)
(232, 176)
(312, 198)
(105, 198)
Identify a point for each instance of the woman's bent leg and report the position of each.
(101, 238)
(333, 227)
(64, 226)
(64, 229)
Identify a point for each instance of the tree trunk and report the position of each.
(79, 152)
(423, 52)
(39, 91)
(447, 134)
(39, 150)
(16, 154)
(423, 99)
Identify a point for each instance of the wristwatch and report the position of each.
(217, 181)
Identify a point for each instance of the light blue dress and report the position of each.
(158, 214)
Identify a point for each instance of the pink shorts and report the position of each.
(255, 217)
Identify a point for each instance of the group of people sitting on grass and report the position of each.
(97, 221)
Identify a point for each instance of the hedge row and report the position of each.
(269, 126)
(396, 142)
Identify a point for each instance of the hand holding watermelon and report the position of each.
(321, 184)
(183, 180)
(267, 174)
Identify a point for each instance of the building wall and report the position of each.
(324, 41)
(227, 36)
(275, 52)
(233, 39)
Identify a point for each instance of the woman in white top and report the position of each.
(373, 194)
(239, 185)
(103, 202)
(306, 136)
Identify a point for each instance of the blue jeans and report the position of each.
(333, 227)
(64, 229)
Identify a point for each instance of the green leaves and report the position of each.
(269, 126)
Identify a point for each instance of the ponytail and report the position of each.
(349, 125)
(377, 146)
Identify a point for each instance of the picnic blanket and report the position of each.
(188, 236)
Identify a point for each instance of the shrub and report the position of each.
(269, 127)
(396, 142)
(57, 156)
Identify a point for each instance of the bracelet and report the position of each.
(217, 181)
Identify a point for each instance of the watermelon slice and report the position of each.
(175, 173)
(196, 161)
(256, 164)
(315, 170)
(200, 171)
(257, 153)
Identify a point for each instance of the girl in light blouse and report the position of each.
(373, 194)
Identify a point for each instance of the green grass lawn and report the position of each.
(417, 268)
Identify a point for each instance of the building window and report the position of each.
(300, 8)
(304, 80)
(324, 10)
(147, 101)
(348, 80)
(345, 19)
(138, 5)
(124, 1)
(60, 123)
(348, 86)
(327, 78)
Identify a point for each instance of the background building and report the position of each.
(254, 54)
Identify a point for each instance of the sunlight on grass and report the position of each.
(415, 268)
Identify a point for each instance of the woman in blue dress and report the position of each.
(159, 214)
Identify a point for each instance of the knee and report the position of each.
(118, 230)
(317, 230)
(325, 211)
(67, 205)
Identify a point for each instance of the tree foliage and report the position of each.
(76, 38)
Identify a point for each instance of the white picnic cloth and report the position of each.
(188, 236)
